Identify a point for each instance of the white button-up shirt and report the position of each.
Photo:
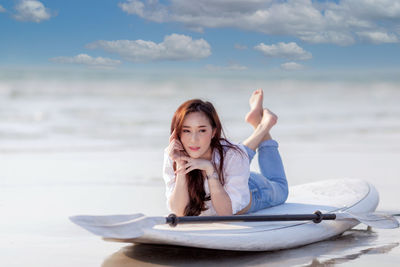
(236, 173)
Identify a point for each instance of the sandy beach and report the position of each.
(98, 153)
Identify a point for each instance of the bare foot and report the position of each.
(256, 110)
(261, 133)
(268, 120)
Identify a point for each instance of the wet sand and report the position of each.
(358, 246)
(36, 232)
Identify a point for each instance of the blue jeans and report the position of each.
(269, 188)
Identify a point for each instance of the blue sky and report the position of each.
(235, 36)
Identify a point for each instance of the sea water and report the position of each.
(94, 145)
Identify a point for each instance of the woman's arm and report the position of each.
(180, 195)
(219, 198)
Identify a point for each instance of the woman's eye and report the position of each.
(203, 131)
(185, 131)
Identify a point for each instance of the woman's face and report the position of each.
(196, 135)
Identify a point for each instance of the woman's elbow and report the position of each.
(227, 212)
(178, 211)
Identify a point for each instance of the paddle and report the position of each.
(132, 226)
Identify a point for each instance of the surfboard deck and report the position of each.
(327, 196)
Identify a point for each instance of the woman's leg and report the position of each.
(275, 188)
(256, 108)
(261, 131)
(261, 119)
(270, 187)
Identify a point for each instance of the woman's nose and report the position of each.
(194, 137)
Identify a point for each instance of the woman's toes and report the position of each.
(256, 99)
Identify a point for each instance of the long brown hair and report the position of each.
(195, 178)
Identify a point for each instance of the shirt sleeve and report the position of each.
(168, 176)
(237, 173)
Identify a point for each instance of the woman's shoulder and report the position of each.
(233, 150)
(236, 160)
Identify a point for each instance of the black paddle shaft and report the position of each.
(317, 217)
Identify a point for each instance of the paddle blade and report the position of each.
(117, 226)
(104, 220)
(373, 219)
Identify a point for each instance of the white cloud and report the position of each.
(158, 13)
(173, 47)
(240, 47)
(133, 7)
(378, 37)
(310, 21)
(2, 9)
(292, 66)
(284, 50)
(31, 10)
(232, 66)
(334, 37)
(84, 59)
(370, 9)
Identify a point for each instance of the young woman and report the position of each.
(205, 174)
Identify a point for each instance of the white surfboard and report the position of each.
(329, 196)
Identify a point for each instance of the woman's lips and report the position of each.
(194, 148)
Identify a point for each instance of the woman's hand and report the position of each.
(196, 164)
(175, 148)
